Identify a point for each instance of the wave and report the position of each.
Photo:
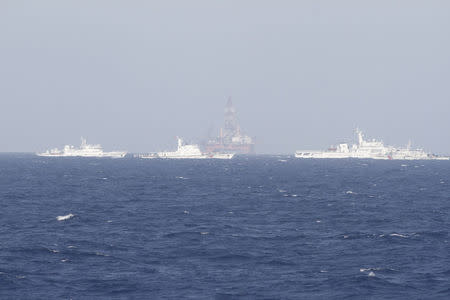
(66, 217)
(398, 235)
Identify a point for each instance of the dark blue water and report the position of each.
(249, 228)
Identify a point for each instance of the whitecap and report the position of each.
(399, 235)
(369, 269)
(186, 212)
(294, 195)
(404, 165)
(64, 260)
(281, 191)
(204, 232)
(371, 274)
(66, 217)
(349, 192)
(318, 221)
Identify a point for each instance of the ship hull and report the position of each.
(330, 155)
(105, 155)
(204, 156)
(338, 156)
(230, 148)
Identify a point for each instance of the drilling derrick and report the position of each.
(231, 126)
(231, 139)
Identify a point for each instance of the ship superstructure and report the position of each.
(85, 150)
(231, 138)
(373, 149)
(188, 151)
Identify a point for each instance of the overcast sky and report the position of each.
(132, 75)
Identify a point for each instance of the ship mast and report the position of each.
(180, 143)
(360, 136)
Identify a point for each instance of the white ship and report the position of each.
(373, 149)
(185, 151)
(414, 154)
(85, 150)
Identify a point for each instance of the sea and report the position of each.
(254, 227)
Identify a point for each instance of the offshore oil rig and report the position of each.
(231, 139)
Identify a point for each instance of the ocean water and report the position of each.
(261, 227)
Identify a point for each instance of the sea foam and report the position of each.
(66, 217)
(399, 235)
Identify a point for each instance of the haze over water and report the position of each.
(302, 74)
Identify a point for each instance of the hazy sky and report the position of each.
(132, 75)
